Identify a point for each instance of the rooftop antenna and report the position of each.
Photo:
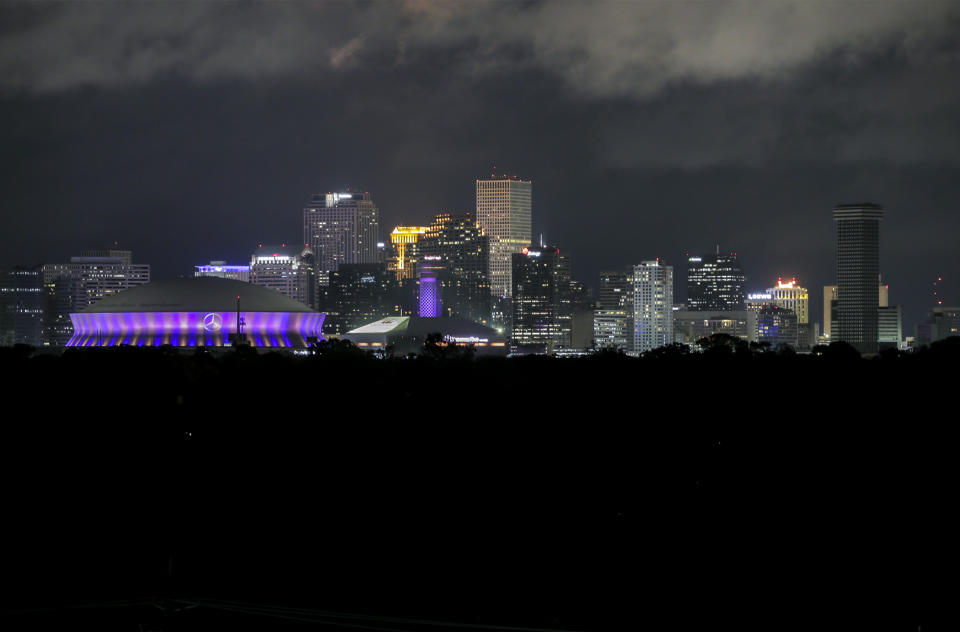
(718, 250)
(541, 240)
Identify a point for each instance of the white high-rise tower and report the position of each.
(341, 228)
(651, 283)
(504, 212)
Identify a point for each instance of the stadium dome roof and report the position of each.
(197, 294)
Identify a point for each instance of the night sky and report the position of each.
(189, 132)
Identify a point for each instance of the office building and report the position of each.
(307, 281)
(831, 310)
(581, 306)
(858, 268)
(651, 285)
(689, 327)
(791, 295)
(613, 316)
(277, 268)
(342, 228)
(941, 322)
(88, 278)
(22, 304)
(221, 270)
(890, 327)
(756, 301)
(777, 326)
(456, 240)
(404, 251)
(504, 212)
(432, 275)
(715, 283)
(612, 329)
(357, 294)
(542, 313)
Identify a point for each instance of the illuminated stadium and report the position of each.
(196, 312)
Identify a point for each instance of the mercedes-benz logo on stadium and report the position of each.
(212, 322)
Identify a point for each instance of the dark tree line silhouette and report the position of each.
(740, 485)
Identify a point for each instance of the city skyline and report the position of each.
(753, 283)
(495, 315)
(727, 135)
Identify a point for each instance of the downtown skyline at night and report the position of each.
(533, 315)
(193, 147)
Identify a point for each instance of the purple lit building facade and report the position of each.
(430, 273)
(197, 312)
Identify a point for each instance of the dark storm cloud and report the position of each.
(600, 49)
(760, 55)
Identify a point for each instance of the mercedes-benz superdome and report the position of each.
(196, 312)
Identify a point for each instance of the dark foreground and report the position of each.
(147, 489)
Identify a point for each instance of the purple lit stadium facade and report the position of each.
(197, 312)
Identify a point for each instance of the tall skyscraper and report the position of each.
(307, 286)
(504, 212)
(651, 283)
(858, 269)
(432, 274)
(280, 269)
(790, 295)
(21, 306)
(831, 309)
(613, 317)
(456, 241)
(275, 267)
(404, 251)
(341, 228)
(715, 282)
(542, 313)
(358, 294)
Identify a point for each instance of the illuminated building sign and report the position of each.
(465, 339)
(212, 322)
(760, 297)
(333, 198)
(208, 269)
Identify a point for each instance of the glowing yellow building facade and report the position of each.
(789, 295)
(404, 255)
